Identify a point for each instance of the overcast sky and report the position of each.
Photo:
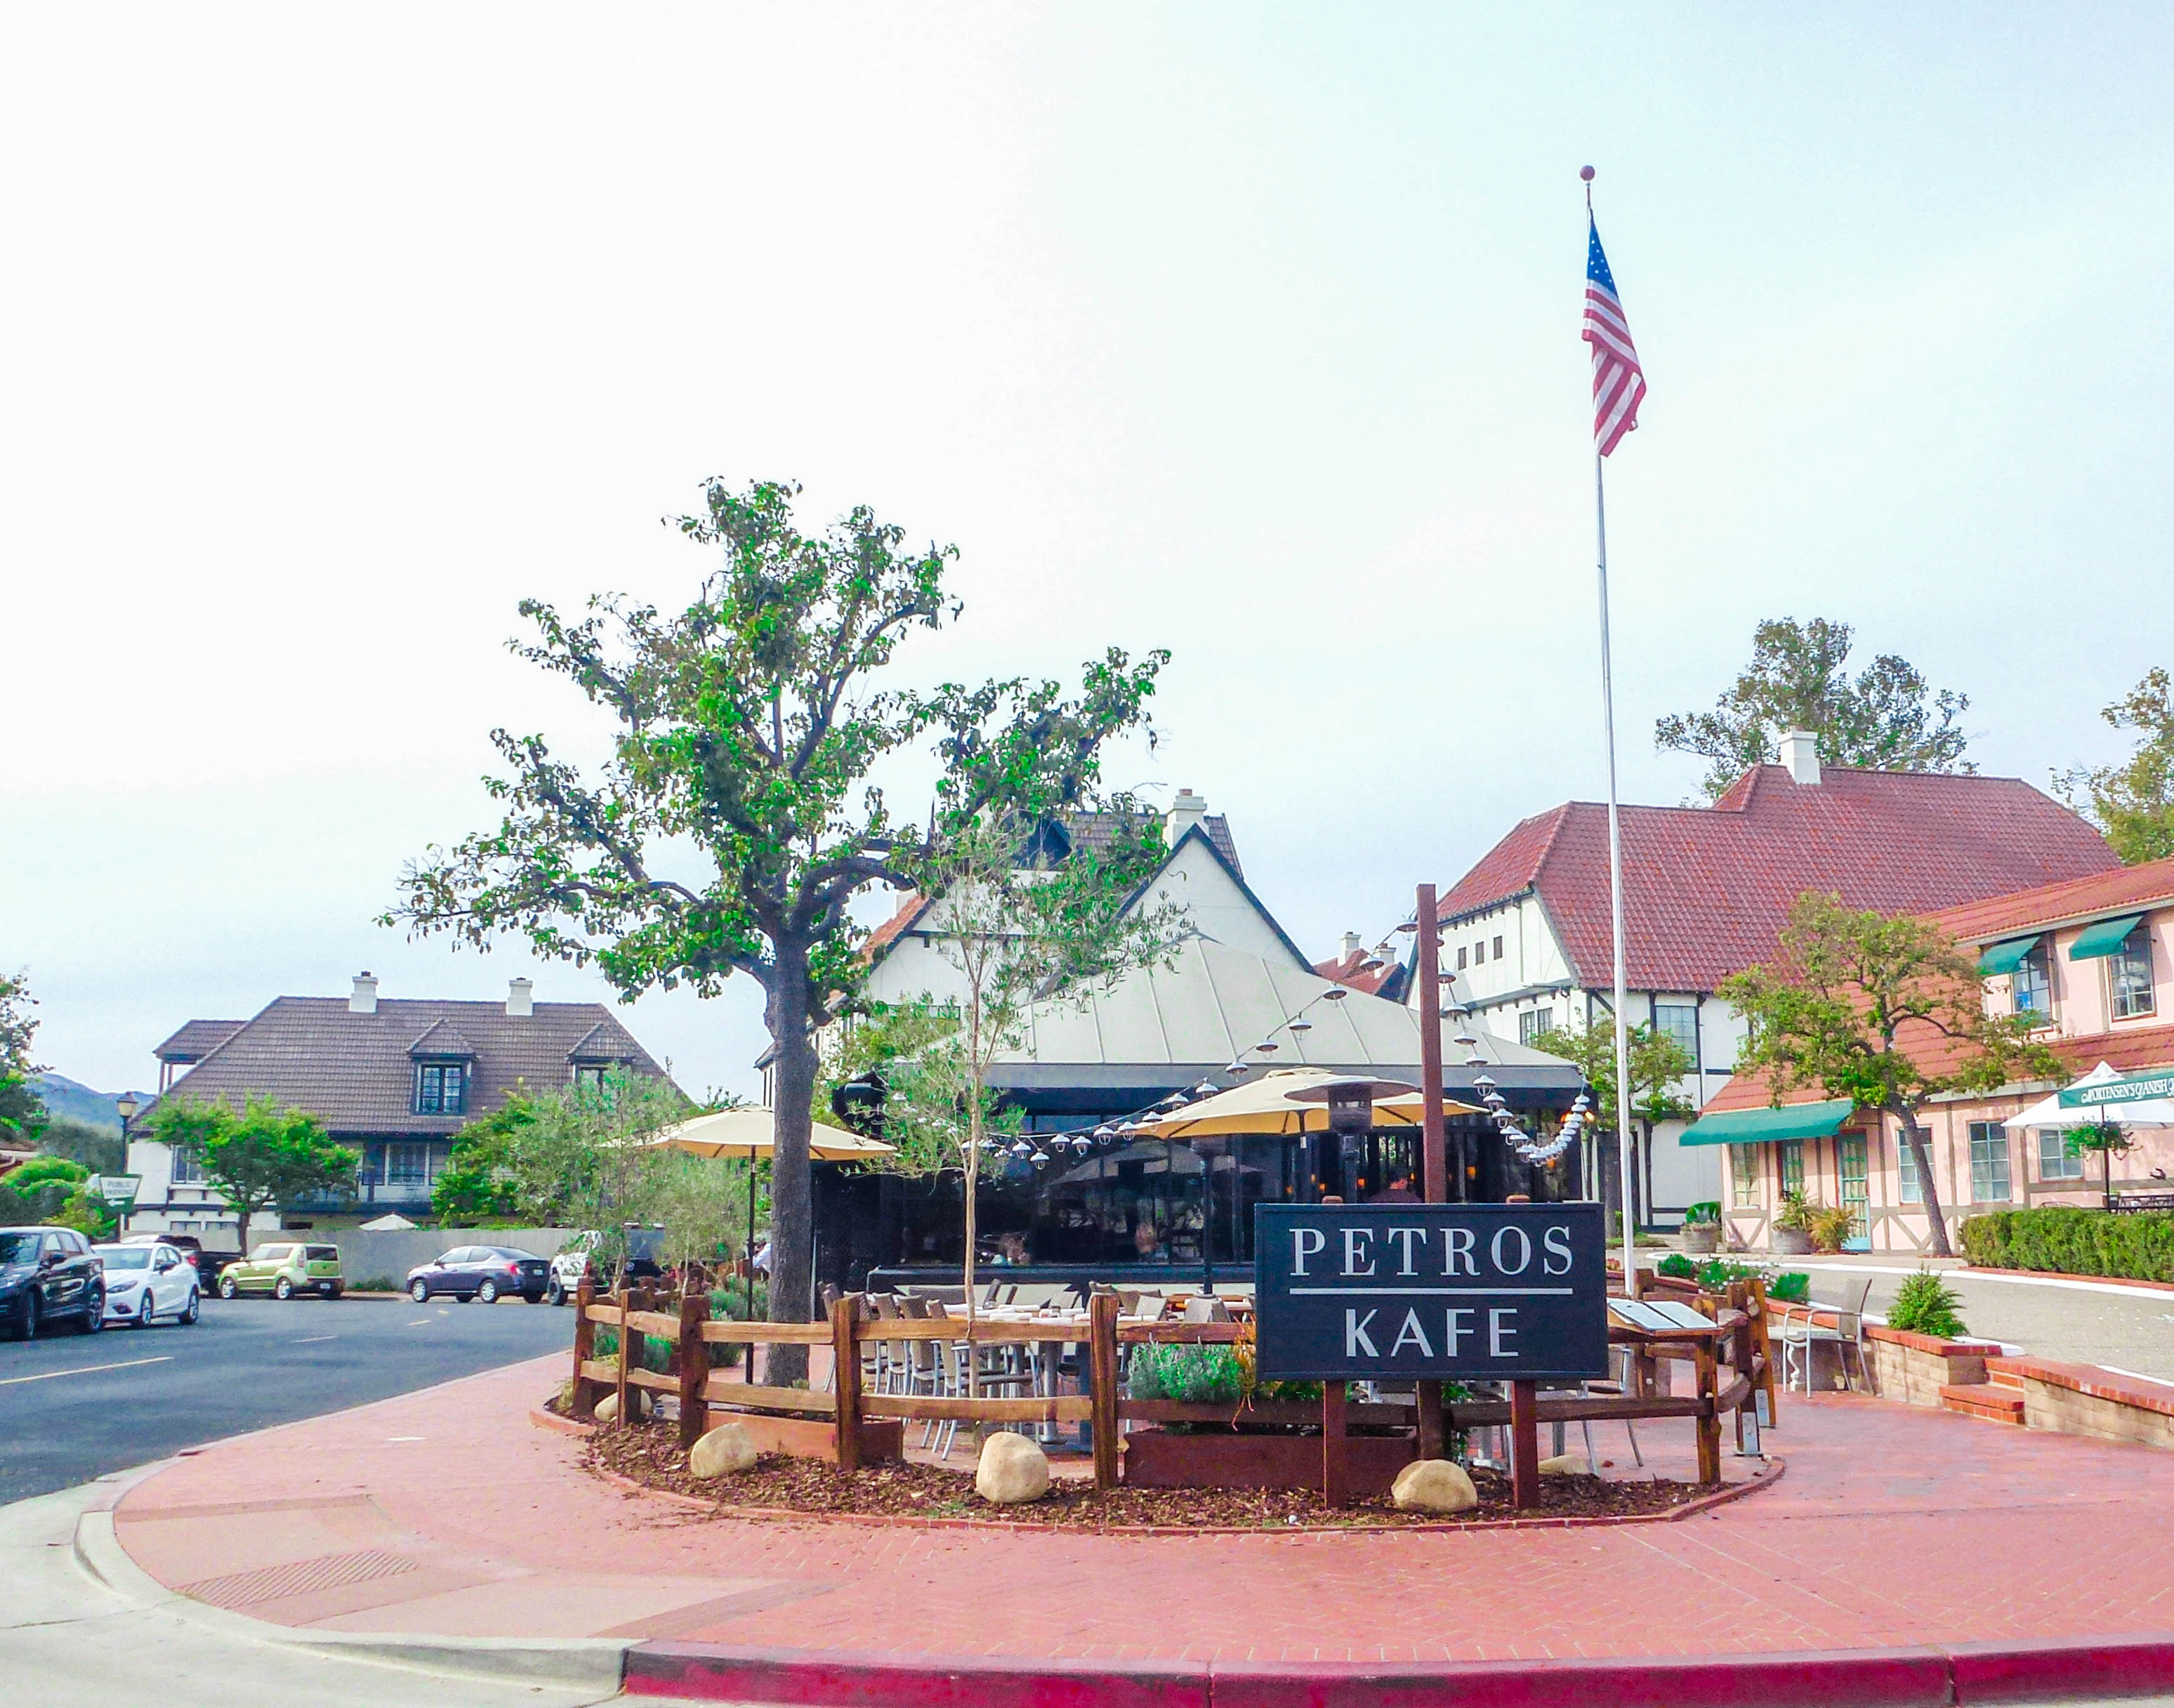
(331, 334)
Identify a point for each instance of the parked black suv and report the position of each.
(47, 1275)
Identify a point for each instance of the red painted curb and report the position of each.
(1904, 1678)
(1868, 1679)
(2080, 1667)
(718, 1673)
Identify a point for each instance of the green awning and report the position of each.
(2104, 938)
(2001, 958)
(1752, 1126)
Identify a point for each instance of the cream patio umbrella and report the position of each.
(750, 1132)
(1267, 1108)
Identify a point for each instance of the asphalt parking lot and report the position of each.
(77, 1406)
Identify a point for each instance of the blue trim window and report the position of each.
(441, 1087)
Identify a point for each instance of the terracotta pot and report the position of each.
(1702, 1239)
(1158, 1459)
(1793, 1242)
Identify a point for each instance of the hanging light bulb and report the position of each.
(1080, 1146)
(1336, 994)
(1267, 1046)
(1484, 1083)
(1021, 1151)
(1041, 1159)
(1300, 1026)
(1206, 1087)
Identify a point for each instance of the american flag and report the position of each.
(1618, 384)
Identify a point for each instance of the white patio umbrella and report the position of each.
(2150, 1112)
(2146, 1111)
(750, 1132)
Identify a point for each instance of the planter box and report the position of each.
(1157, 1459)
(815, 1438)
(1702, 1239)
(1913, 1368)
(1793, 1242)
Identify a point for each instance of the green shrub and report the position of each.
(1926, 1304)
(2073, 1241)
(1677, 1265)
(1705, 1211)
(729, 1303)
(1199, 1376)
(1792, 1287)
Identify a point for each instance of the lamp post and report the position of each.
(125, 1106)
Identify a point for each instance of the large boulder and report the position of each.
(637, 1404)
(727, 1449)
(1434, 1486)
(1012, 1469)
(1565, 1465)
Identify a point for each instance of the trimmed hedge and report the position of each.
(2071, 1241)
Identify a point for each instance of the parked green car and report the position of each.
(283, 1271)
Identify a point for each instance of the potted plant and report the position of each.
(1830, 1227)
(1792, 1225)
(1702, 1228)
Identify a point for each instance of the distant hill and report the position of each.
(63, 1096)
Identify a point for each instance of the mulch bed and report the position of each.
(649, 1455)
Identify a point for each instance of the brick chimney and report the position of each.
(363, 998)
(1800, 753)
(520, 998)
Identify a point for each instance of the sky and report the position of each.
(1247, 331)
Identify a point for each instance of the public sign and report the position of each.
(2130, 1087)
(114, 1189)
(1411, 1291)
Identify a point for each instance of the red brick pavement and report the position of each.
(446, 1511)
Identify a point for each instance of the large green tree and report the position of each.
(22, 1112)
(1887, 1013)
(2132, 802)
(257, 1158)
(1886, 717)
(740, 809)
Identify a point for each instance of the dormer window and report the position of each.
(441, 1087)
(590, 1075)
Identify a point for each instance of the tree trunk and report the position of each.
(792, 1186)
(1914, 1136)
(241, 1231)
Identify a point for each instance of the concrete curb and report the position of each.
(1904, 1678)
(596, 1664)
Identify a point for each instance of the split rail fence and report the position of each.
(1728, 1363)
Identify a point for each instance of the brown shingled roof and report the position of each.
(355, 1073)
(1707, 889)
(198, 1039)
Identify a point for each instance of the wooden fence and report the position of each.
(849, 1403)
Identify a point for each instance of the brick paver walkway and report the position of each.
(447, 1511)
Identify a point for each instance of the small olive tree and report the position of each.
(1888, 1013)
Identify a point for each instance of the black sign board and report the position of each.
(1401, 1292)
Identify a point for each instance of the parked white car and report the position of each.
(144, 1282)
(572, 1261)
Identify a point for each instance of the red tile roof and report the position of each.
(1707, 890)
(1350, 971)
(910, 906)
(2126, 1051)
(2129, 888)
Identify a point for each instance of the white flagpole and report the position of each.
(1615, 897)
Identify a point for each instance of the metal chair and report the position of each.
(1801, 1332)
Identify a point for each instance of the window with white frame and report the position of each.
(1989, 1163)
(187, 1170)
(2129, 967)
(1744, 1174)
(1909, 1188)
(407, 1164)
(2056, 1161)
(1534, 1025)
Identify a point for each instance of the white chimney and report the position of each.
(1184, 811)
(1352, 946)
(363, 998)
(521, 997)
(1800, 753)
